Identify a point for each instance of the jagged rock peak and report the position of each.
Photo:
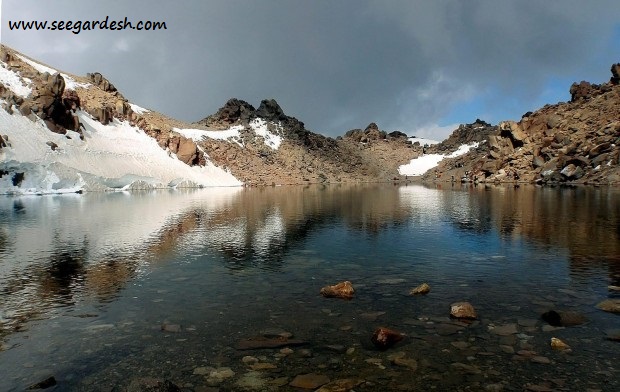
(371, 127)
(270, 110)
(239, 112)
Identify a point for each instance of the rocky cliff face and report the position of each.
(569, 142)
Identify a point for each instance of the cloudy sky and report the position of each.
(415, 66)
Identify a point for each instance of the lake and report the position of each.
(218, 289)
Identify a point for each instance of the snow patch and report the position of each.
(13, 82)
(423, 141)
(138, 109)
(419, 166)
(197, 135)
(260, 127)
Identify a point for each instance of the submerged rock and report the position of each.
(341, 290)
(463, 310)
(44, 384)
(152, 385)
(342, 385)
(559, 345)
(609, 305)
(422, 289)
(564, 319)
(384, 338)
(309, 381)
(260, 342)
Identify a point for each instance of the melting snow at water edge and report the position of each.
(117, 156)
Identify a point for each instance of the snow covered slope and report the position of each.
(114, 156)
(420, 165)
(117, 156)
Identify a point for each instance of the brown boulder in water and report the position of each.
(341, 290)
(384, 338)
(463, 310)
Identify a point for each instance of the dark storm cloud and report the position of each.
(335, 65)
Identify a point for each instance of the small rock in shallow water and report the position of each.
(341, 290)
(613, 334)
(202, 371)
(463, 310)
(171, 328)
(261, 342)
(152, 384)
(251, 380)
(559, 345)
(609, 305)
(540, 359)
(564, 319)
(342, 385)
(217, 376)
(422, 289)
(384, 338)
(371, 316)
(505, 330)
(309, 381)
(44, 384)
(410, 363)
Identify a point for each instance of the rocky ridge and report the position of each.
(303, 157)
(576, 141)
(569, 142)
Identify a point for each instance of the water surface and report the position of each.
(102, 289)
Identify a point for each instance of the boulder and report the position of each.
(422, 289)
(56, 85)
(463, 310)
(342, 290)
(513, 130)
(615, 74)
(384, 338)
(572, 172)
(187, 151)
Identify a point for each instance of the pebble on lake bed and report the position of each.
(463, 310)
(384, 338)
(341, 290)
(559, 345)
(422, 289)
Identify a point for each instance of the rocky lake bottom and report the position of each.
(219, 290)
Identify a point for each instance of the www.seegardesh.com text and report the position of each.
(78, 26)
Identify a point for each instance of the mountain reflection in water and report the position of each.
(60, 252)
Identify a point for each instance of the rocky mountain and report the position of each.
(299, 156)
(568, 142)
(61, 132)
